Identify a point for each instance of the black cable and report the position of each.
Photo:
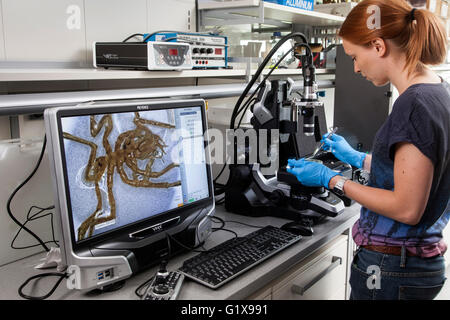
(132, 36)
(42, 275)
(263, 82)
(245, 110)
(197, 14)
(247, 103)
(262, 66)
(138, 289)
(245, 224)
(169, 246)
(228, 230)
(223, 222)
(220, 220)
(245, 106)
(221, 201)
(8, 204)
(175, 38)
(32, 218)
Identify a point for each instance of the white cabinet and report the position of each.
(321, 276)
(45, 30)
(176, 15)
(264, 294)
(2, 39)
(114, 20)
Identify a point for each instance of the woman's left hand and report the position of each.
(311, 174)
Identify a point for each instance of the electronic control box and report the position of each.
(207, 51)
(142, 55)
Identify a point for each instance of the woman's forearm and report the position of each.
(384, 202)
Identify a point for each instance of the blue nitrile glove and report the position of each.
(342, 150)
(311, 174)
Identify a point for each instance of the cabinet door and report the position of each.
(2, 39)
(44, 30)
(114, 20)
(324, 279)
(177, 15)
(264, 294)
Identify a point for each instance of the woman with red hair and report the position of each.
(405, 206)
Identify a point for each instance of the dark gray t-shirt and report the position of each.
(421, 116)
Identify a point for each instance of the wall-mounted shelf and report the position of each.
(254, 11)
(38, 74)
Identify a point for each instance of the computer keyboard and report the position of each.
(235, 256)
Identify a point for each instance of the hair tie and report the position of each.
(411, 15)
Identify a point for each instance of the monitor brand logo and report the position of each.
(142, 107)
(110, 56)
(157, 228)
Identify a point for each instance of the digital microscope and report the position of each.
(300, 123)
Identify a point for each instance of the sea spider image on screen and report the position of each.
(128, 155)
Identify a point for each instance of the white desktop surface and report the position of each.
(14, 274)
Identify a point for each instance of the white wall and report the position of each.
(63, 30)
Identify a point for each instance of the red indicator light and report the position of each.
(173, 52)
(218, 51)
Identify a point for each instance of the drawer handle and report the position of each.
(335, 261)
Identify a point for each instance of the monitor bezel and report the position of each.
(124, 107)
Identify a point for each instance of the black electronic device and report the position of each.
(253, 193)
(142, 55)
(164, 285)
(299, 228)
(231, 258)
(299, 123)
(130, 176)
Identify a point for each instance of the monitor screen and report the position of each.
(125, 167)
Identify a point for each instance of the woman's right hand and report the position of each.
(342, 150)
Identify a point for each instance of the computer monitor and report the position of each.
(130, 177)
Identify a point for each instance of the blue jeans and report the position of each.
(379, 276)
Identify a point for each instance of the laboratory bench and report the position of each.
(316, 267)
